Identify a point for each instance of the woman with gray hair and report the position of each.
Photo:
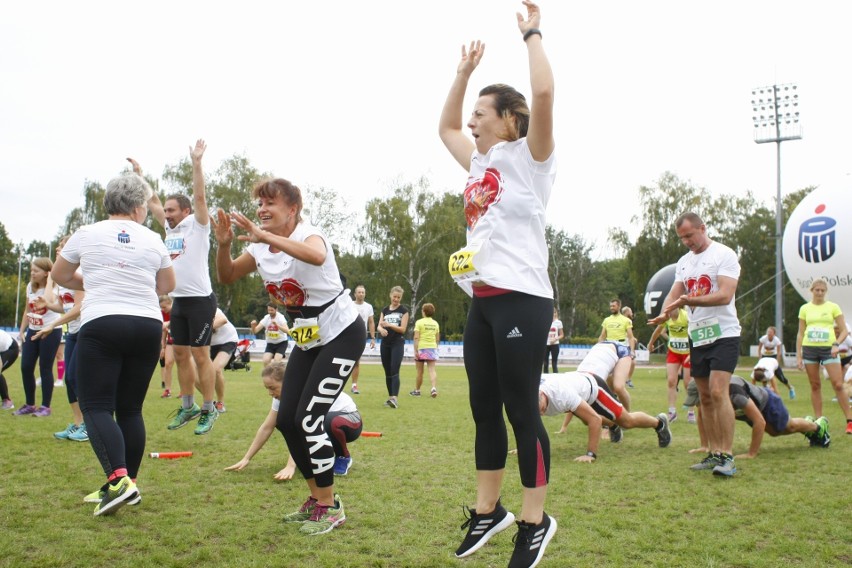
(125, 267)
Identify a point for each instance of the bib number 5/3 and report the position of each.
(705, 332)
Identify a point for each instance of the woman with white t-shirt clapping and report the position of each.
(36, 316)
(298, 268)
(126, 266)
(276, 328)
(71, 302)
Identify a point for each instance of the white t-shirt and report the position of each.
(296, 283)
(366, 312)
(600, 360)
(505, 201)
(119, 260)
(224, 334)
(565, 391)
(845, 347)
(553, 334)
(770, 346)
(769, 366)
(6, 341)
(699, 274)
(66, 296)
(189, 246)
(273, 326)
(344, 403)
(37, 318)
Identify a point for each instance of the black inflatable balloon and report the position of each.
(657, 289)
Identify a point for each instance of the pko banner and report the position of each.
(817, 242)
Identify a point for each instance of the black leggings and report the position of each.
(553, 352)
(8, 357)
(779, 374)
(71, 367)
(391, 352)
(116, 357)
(503, 360)
(44, 351)
(312, 381)
(343, 427)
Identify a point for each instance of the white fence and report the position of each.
(454, 351)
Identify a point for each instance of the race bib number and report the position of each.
(273, 333)
(174, 244)
(34, 320)
(705, 332)
(461, 265)
(818, 335)
(305, 332)
(679, 345)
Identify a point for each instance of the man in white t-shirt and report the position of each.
(194, 307)
(705, 285)
(770, 345)
(588, 396)
(276, 332)
(367, 313)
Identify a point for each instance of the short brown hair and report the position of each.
(274, 187)
(428, 310)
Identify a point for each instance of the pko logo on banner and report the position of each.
(817, 238)
(817, 242)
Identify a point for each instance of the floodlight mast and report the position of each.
(776, 119)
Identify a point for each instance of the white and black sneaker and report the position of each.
(480, 528)
(615, 433)
(664, 433)
(531, 541)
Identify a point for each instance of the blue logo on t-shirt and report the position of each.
(123, 237)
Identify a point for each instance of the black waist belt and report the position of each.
(311, 311)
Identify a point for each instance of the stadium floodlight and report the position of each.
(776, 119)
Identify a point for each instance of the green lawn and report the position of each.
(638, 505)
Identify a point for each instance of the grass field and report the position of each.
(639, 505)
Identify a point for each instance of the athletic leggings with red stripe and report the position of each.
(343, 427)
(503, 359)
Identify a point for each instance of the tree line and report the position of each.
(406, 236)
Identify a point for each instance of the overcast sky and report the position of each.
(347, 95)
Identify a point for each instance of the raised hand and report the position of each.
(533, 20)
(197, 152)
(137, 169)
(470, 58)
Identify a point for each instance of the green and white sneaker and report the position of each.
(184, 415)
(116, 496)
(324, 518)
(205, 421)
(65, 434)
(707, 463)
(98, 496)
(303, 514)
(822, 438)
